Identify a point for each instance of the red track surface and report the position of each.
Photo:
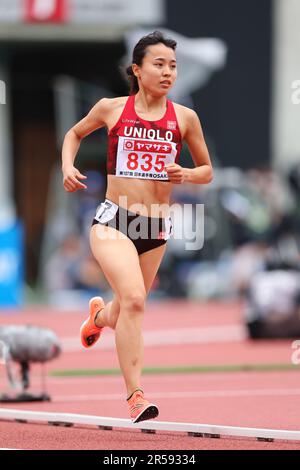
(247, 399)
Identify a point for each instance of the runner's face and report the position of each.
(158, 71)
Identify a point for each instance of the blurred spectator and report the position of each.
(273, 304)
(273, 295)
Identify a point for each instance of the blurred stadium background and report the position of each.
(58, 57)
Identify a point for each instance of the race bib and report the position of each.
(144, 158)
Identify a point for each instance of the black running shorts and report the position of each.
(146, 233)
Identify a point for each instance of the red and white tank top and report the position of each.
(140, 149)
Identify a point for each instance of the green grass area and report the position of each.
(180, 370)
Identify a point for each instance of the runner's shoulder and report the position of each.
(107, 105)
(185, 112)
(187, 118)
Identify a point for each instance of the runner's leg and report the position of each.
(149, 263)
(119, 262)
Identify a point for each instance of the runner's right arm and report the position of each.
(95, 119)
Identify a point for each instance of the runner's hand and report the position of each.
(175, 173)
(71, 177)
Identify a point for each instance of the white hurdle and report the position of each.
(199, 430)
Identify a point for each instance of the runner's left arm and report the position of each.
(202, 173)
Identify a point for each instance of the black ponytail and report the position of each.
(133, 81)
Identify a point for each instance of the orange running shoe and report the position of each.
(89, 332)
(139, 408)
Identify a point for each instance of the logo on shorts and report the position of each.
(171, 125)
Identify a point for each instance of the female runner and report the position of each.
(130, 228)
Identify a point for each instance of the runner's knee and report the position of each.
(133, 301)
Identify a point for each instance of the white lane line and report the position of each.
(211, 334)
(192, 394)
(8, 448)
